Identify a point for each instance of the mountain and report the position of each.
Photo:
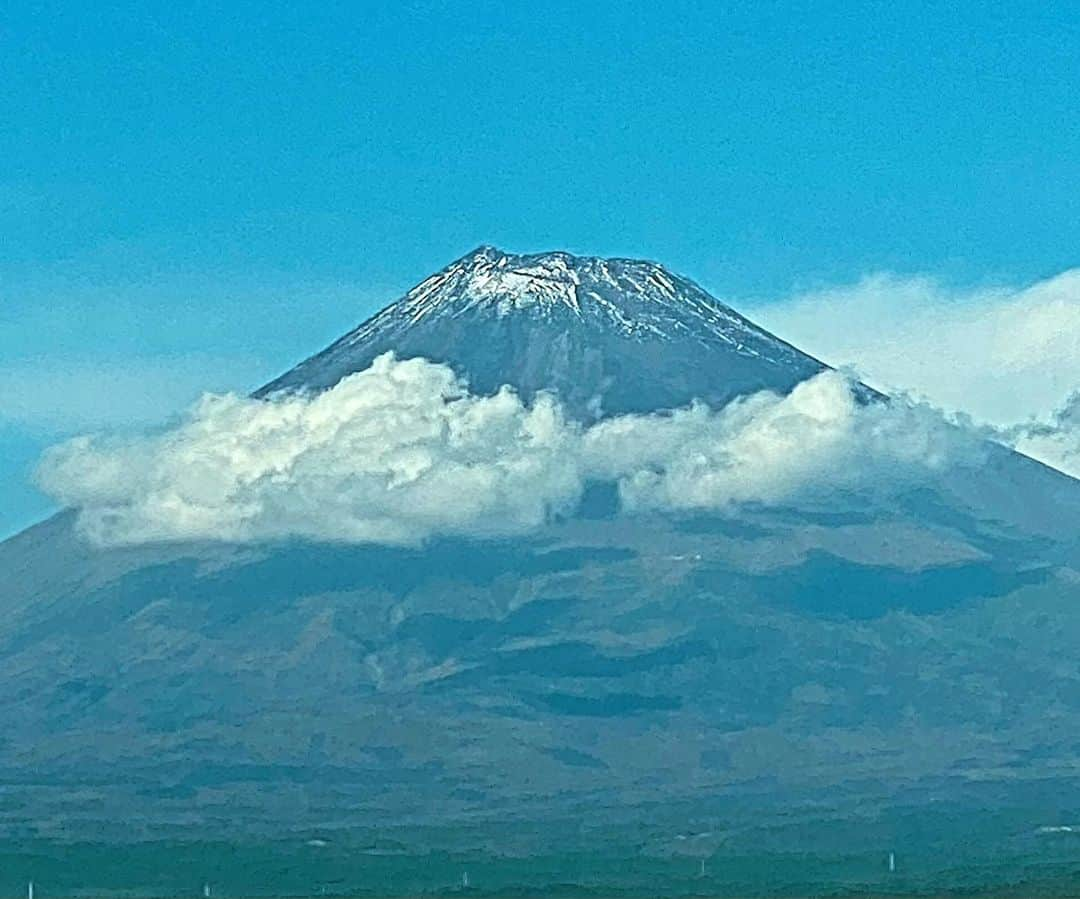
(788, 690)
(609, 335)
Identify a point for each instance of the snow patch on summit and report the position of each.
(638, 298)
(489, 278)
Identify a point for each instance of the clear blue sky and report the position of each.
(197, 196)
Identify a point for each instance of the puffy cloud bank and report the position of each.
(392, 454)
(773, 449)
(402, 452)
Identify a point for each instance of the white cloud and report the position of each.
(391, 455)
(773, 449)
(1055, 441)
(402, 451)
(1002, 355)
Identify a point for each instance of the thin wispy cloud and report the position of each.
(62, 395)
(1055, 441)
(1003, 355)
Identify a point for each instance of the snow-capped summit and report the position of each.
(490, 277)
(609, 335)
(545, 282)
(632, 294)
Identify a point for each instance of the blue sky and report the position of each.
(195, 198)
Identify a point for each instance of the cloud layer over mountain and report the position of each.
(402, 451)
